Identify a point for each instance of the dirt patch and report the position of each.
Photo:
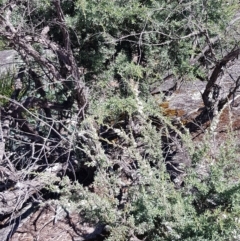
(54, 223)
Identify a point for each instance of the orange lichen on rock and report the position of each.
(171, 112)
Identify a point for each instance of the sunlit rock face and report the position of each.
(187, 97)
(8, 61)
(185, 102)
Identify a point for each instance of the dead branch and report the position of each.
(213, 41)
(81, 89)
(13, 199)
(215, 74)
(23, 44)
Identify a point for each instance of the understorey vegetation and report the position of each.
(85, 127)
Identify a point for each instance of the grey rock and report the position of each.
(8, 61)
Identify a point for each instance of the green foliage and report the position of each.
(214, 185)
(160, 33)
(123, 47)
(206, 208)
(2, 44)
(6, 88)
